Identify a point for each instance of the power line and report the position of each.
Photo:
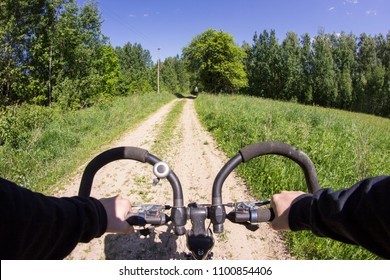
(158, 71)
(116, 17)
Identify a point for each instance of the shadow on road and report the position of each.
(159, 245)
(181, 96)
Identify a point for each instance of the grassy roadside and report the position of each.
(43, 144)
(345, 147)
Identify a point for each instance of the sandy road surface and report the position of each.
(196, 160)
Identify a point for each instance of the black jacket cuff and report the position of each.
(299, 216)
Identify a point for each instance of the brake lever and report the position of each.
(149, 214)
(255, 203)
(252, 212)
(263, 202)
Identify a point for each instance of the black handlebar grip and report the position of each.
(134, 153)
(104, 158)
(264, 215)
(283, 149)
(260, 215)
(264, 148)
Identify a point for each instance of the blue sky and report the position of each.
(171, 24)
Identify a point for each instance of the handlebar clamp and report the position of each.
(217, 217)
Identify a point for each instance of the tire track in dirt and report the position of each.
(196, 160)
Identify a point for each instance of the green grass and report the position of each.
(345, 148)
(164, 138)
(37, 153)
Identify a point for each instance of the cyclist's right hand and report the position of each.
(281, 204)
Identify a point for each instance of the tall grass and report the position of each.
(42, 145)
(345, 148)
(163, 140)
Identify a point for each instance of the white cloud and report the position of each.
(331, 8)
(371, 12)
(146, 15)
(354, 2)
(132, 16)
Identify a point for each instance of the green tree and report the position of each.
(383, 53)
(19, 21)
(265, 66)
(51, 50)
(109, 70)
(86, 63)
(41, 50)
(168, 75)
(344, 53)
(217, 61)
(292, 68)
(370, 80)
(323, 72)
(174, 75)
(136, 68)
(183, 76)
(306, 61)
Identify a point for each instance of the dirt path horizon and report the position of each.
(195, 158)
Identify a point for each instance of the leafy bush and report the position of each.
(20, 126)
(77, 93)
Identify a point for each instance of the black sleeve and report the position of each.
(34, 226)
(358, 215)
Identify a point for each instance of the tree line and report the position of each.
(138, 72)
(53, 51)
(331, 70)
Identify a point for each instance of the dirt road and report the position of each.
(196, 160)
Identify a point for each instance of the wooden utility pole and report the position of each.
(158, 71)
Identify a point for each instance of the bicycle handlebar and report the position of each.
(283, 149)
(199, 240)
(218, 213)
(178, 213)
